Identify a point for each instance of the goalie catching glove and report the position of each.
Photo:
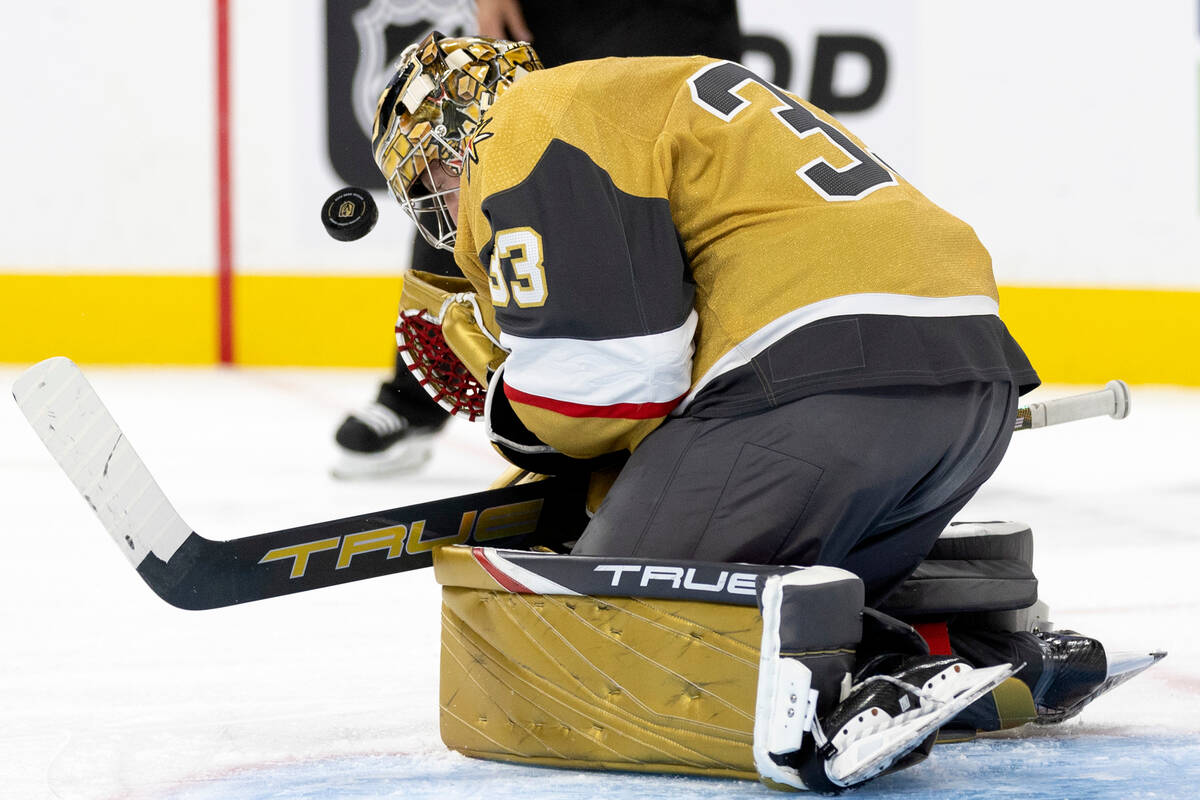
(443, 338)
(445, 341)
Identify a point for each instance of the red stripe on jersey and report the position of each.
(501, 577)
(615, 411)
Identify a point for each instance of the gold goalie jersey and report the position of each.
(677, 235)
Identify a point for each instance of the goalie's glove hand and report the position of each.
(468, 338)
(445, 341)
(522, 448)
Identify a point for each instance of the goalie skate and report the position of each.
(887, 716)
(1078, 670)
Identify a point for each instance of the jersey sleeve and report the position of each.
(592, 298)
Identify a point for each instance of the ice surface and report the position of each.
(106, 691)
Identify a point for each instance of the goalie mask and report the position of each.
(427, 115)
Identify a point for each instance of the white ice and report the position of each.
(106, 691)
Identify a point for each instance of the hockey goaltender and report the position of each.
(786, 372)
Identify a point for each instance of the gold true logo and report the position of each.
(497, 522)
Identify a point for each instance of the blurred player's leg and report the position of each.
(394, 434)
(391, 435)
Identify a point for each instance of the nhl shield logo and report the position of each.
(363, 39)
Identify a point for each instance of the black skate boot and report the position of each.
(1076, 670)
(1064, 671)
(888, 715)
(386, 437)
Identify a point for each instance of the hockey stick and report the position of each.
(191, 572)
(1113, 401)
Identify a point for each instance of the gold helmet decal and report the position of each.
(428, 114)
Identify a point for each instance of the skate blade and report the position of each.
(405, 456)
(1121, 667)
(870, 756)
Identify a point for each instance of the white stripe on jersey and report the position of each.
(656, 368)
(868, 303)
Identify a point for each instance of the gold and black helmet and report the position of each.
(428, 113)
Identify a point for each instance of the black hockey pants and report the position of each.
(865, 480)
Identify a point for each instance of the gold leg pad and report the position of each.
(600, 683)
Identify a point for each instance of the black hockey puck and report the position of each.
(349, 214)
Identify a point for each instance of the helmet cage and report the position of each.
(423, 196)
(428, 114)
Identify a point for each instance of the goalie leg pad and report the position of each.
(537, 669)
(799, 675)
(630, 664)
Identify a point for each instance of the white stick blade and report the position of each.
(67, 415)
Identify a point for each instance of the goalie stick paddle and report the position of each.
(192, 572)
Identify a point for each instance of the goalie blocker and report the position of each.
(732, 670)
